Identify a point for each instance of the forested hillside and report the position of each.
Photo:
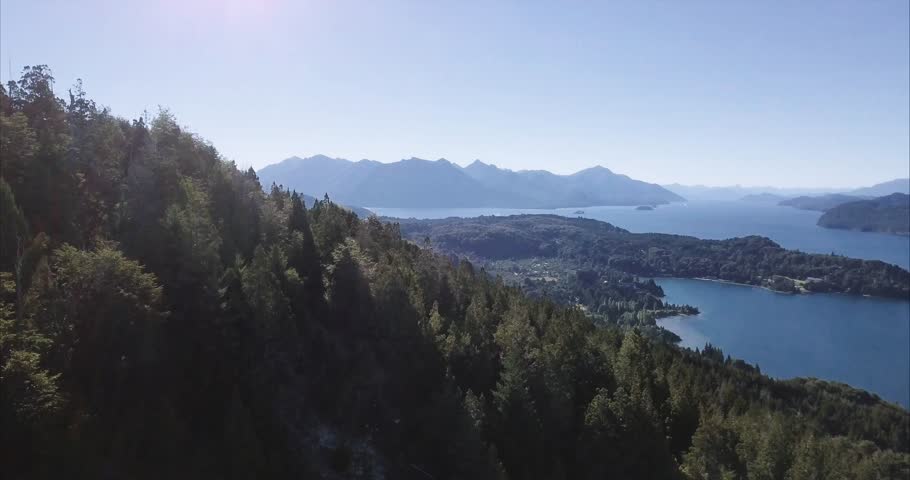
(161, 316)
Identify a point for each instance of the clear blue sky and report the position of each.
(714, 92)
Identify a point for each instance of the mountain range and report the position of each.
(738, 192)
(823, 203)
(442, 184)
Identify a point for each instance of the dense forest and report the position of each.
(579, 243)
(162, 316)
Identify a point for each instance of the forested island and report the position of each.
(164, 316)
(888, 214)
(578, 243)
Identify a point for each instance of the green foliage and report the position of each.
(14, 232)
(713, 453)
(29, 391)
(193, 239)
(103, 312)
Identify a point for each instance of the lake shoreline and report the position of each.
(806, 293)
(839, 338)
(763, 287)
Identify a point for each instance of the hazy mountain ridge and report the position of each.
(887, 214)
(423, 183)
(764, 198)
(737, 192)
(821, 203)
(899, 185)
(824, 203)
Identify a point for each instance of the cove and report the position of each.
(864, 342)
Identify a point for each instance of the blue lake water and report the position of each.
(864, 342)
(790, 227)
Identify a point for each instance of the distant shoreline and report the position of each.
(802, 292)
(731, 282)
(718, 280)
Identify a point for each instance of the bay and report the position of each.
(861, 341)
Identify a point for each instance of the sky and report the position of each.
(787, 94)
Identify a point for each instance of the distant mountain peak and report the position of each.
(313, 158)
(599, 169)
(478, 164)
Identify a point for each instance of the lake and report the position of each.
(864, 342)
(790, 227)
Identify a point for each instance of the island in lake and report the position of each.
(644, 207)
